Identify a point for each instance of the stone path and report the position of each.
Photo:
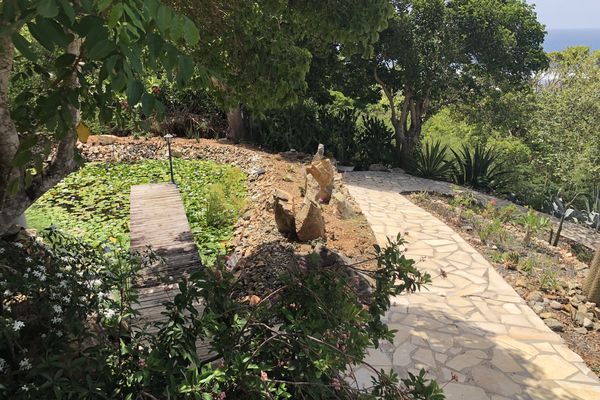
(471, 323)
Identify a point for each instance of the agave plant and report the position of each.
(431, 161)
(479, 167)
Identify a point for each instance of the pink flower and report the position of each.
(222, 396)
(365, 307)
(263, 376)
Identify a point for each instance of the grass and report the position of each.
(94, 202)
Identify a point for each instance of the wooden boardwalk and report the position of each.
(158, 222)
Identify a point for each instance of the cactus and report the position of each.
(591, 285)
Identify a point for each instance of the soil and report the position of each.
(259, 253)
(539, 268)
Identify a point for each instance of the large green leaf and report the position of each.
(24, 46)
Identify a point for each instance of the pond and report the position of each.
(93, 202)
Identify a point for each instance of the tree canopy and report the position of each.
(84, 52)
(437, 52)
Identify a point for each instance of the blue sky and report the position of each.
(568, 14)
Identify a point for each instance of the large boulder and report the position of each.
(321, 172)
(310, 224)
(284, 213)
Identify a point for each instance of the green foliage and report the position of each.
(119, 40)
(431, 161)
(304, 126)
(534, 223)
(94, 202)
(283, 346)
(262, 66)
(490, 229)
(479, 167)
(374, 143)
(438, 52)
(549, 280)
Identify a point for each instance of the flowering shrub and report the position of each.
(69, 330)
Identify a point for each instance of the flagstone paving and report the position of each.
(471, 323)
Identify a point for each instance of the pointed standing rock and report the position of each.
(310, 224)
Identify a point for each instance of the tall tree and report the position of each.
(91, 50)
(439, 52)
(566, 132)
(259, 52)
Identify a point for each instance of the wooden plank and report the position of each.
(158, 221)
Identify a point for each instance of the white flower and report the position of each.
(57, 309)
(2, 364)
(28, 269)
(28, 259)
(110, 313)
(56, 320)
(66, 299)
(17, 325)
(25, 364)
(26, 275)
(18, 245)
(59, 275)
(41, 268)
(59, 333)
(42, 278)
(7, 293)
(7, 309)
(62, 284)
(2, 250)
(25, 388)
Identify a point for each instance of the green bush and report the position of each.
(70, 331)
(479, 167)
(431, 161)
(374, 144)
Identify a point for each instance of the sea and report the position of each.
(560, 39)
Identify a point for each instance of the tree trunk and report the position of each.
(558, 231)
(591, 286)
(62, 164)
(237, 125)
(9, 138)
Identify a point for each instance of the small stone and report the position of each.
(537, 308)
(547, 315)
(587, 323)
(581, 331)
(535, 296)
(378, 167)
(597, 326)
(281, 195)
(573, 285)
(554, 324)
(555, 305)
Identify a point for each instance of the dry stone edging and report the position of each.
(471, 325)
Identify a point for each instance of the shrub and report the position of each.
(533, 224)
(431, 161)
(479, 167)
(284, 345)
(374, 143)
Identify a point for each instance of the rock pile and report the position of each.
(108, 148)
(584, 315)
(303, 219)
